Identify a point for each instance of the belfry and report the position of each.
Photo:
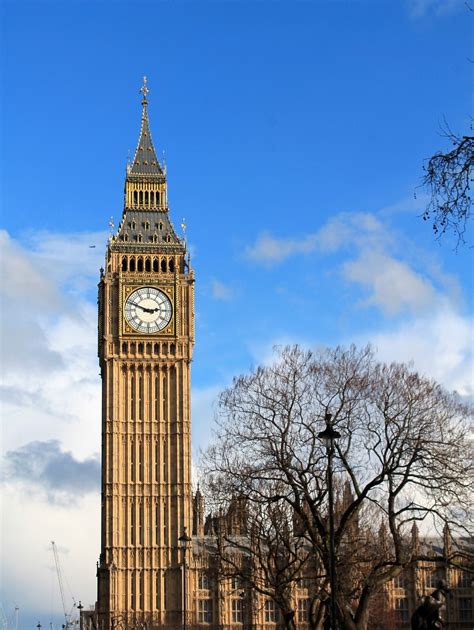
(146, 336)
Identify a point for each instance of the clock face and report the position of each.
(148, 310)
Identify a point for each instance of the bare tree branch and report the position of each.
(448, 177)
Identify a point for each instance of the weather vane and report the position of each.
(144, 90)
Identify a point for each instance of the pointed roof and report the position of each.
(145, 161)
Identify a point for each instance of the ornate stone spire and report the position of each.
(145, 163)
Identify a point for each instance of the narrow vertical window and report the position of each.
(164, 416)
(132, 461)
(171, 265)
(132, 264)
(164, 461)
(140, 392)
(152, 198)
(132, 397)
(157, 591)
(157, 524)
(147, 265)
(141, 197)
(146, 197)
(140, 523)
(142, 589)
(140, 264)
(140, 461)
(124, 264)
(157, 460)
(157, 391)
(163, 265)
(132, 524)
(135, 198)
(155, 260)
(133, 592)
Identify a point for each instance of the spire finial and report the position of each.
(144, 90)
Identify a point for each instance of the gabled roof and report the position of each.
(145, 161)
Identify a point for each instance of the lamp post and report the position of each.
(328, 438)
(184, 541)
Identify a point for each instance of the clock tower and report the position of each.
(146, 336)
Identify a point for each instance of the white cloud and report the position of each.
(27, 560)
(395, 277)
(438, 344)
(44, 468)
(220, 291)
(349, 229)
(50, 399)
(422, 8)
(271, 250)
(394, 286)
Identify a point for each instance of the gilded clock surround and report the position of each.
(127, 290)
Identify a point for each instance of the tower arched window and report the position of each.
(152, 198)
(124, 264)
(155, 263)
(163, 265)
(147, 264)
(141, 197)
(168, 238)
(135, 197)
(171, 265)
(161, 225)
(132, 264)
(132, 462)
(139, 238)
(146, 197)
(140, 264)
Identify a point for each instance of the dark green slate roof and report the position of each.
(145, 161)
(147, 229)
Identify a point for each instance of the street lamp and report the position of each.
(328, 437)
(184, 541)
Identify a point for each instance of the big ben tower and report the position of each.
(146, 335)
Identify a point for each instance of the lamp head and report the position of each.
(329, 435)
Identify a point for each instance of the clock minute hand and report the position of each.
(145, 310)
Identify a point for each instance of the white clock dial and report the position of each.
(148, 310)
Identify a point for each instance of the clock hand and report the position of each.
(145, 310)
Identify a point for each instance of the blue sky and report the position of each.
(294, 135)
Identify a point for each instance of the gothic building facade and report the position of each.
(158, 565)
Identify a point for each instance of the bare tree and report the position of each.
(448, 176)
(258, 550)
(403, 457)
